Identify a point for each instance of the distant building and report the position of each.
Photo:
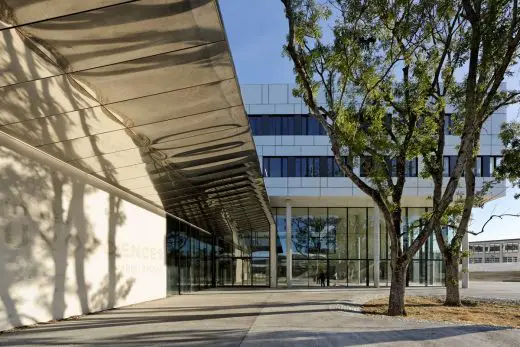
(494, 251)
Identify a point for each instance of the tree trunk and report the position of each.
(452, 280)
(397, 289)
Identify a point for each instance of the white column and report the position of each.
(376, 244)
(272, 255)
(465, 262)
(288, 241)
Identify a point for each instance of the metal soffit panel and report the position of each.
(142, 94)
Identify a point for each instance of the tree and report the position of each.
(387, 69)
(485, 47)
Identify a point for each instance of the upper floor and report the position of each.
(297, 160)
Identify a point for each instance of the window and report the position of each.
(494, 248)
(475, 260)
(477, 248)
(448, 124)
(333, 169)
(510, 260)
(484, 165)
(275, 167)
(492, 260)
(511, 247)
(291, 124)
(411, 168)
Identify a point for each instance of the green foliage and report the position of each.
(509, 169)
(387, 70)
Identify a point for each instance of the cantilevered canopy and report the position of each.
(140, 93)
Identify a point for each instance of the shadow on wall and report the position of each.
(45, 231)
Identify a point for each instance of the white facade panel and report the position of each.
(339, 182)
(271, 191)
(251, 93)
(321, 141)
(288, 150)
(278, 93)
(284, 109)
(303, 140)
(292, 98)
(265, 140)
(310, 192)
(269, 151)
(294, 182)
(261, 109)
(311, 182)
(336, 191)
(314, 150)
(276, 182)
(287, 140)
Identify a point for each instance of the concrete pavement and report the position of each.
(306, 317)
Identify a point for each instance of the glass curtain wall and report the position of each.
(337, 243)
(196, 260)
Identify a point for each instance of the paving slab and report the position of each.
(282, 317)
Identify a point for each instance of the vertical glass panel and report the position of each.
(498, 161)
(357, 246)
(300, 233)
(486, 166)
(478, 166)
(357, 270)
(414, 226)
(370, 233)
(446, 166)
(313, 126)
(318, 233)
(265, 166)
(453, 162)
(300, 166)
(337, 233)
(172, 255)
(318, 272)
(338, 270)
(260, 271)
(300, 273)
(304, 124)
(384, 273)
(275, 167)
(288, 125)
(281, 245)
(297, 125)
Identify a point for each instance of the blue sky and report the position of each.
(257, 30)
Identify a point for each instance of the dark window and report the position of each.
(446, 166)
(275, 166)
(333, 169)
(448, 124)
(486, 166)
(411, 168)
(288, 125)
(285, 125)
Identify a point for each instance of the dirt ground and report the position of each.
(474, 312)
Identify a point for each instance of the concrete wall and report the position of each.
(68, 248)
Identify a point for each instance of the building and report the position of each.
(494, 251)
(324, 222)
(128, 170)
